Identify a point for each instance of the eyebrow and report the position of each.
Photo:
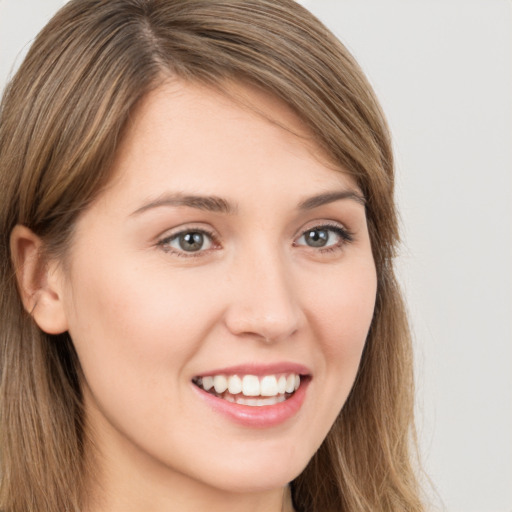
(219, 205)
(206, 203)
(331, 197)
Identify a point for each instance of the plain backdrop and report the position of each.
(443, 72)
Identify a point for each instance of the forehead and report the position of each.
(190, 135)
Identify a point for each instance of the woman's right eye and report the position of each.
(188, 243)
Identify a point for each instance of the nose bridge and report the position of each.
(264, 302)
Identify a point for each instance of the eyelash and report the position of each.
(164, 243)
(344, 234)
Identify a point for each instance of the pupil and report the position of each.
(191, 241)
(317, 237)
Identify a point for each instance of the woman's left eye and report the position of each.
(190, 241)
(324, 237)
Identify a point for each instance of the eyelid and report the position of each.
(344, 233)
(164, 240)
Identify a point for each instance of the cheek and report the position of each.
(340, 314)
(343, 310)
(135, 331)
(125, 319)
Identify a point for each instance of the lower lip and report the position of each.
(263, 416)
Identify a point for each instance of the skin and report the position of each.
(146, 317)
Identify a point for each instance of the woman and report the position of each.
(199, 310)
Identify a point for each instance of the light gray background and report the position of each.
(443, 72)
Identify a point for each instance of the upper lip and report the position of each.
(258, 369)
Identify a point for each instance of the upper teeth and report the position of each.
(251, 385)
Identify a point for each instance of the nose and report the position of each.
(264, 303)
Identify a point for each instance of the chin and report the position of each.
(260, 473)
(256, 480)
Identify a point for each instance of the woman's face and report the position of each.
(226, 251)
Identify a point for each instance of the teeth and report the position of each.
(235, 385)
(251, 385)
(241, 387)
(268, 386)
(207, 383)
(220, 383)
(281, 385)
(258, 402)
(290, 384)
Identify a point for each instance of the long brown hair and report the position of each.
(61, 119)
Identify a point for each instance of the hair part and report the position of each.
(61, 120)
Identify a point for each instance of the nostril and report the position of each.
(264, 304)
(267, 328)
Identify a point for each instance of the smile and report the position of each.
(250, 390)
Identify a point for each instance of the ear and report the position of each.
(40, 282)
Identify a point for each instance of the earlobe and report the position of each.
(39, 281)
